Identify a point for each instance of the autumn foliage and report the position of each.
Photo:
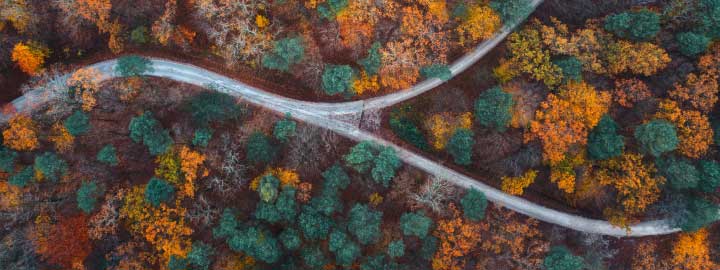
(458, 237)
(67, 243)
(30, 56)
(517, 185)
(694, 131)
(691, 252)
(21, 135)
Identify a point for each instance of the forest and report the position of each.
(116, 153)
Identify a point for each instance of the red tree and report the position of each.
(67, 244)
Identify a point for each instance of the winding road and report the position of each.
(334, 116)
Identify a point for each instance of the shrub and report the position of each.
(147, 129)
(199, 256)
(337, 79)
(679, 172)
(260, 149)
(133, 65)
(656, 137)
(78, 123)
(7, 159)
(290, 239)
(286, 52)
(474, 204)
(603, 141)
(396, 249)
(364, 224)
(460, 146)
(212, 106)
(51, 166)
(107, 155)
(372, 62)
(560, 258)
(709, 175)
(493, 109)
(284, 129)
(441, 72)
(638, 25)
(571, 68)
(415, 224)
(202, 137)
(87, 196)
(158, 191)
(22, 177)
(512, 12)
(692, 44)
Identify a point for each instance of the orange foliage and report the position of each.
(167, 32)
(514, 242)
(304, 192)
(18, 13)
(637, 58)
(366, 84)
(562, 173)
(628, 92)
(67, 244)
(287, 177)
(694, 130)
(645, 257)
(691, 252)
(236, 262)
(21, 135)
(9, 196)
(698, 92)
(30, 56)
(190, 163)
(356, 23)
(481, 23)
(443, 125)
(458, 237)
(565, 119)
(86, 82)
(517, 185)
(95, 11)
(61, 137)
(401, 63)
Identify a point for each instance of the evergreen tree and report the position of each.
(77, 123)
(460, 146)
(603, 140)
(493, 109)
(107, 155)
(158, 191)
(87, 196)
(474, 204)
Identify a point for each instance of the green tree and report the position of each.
(361, 156)
(133, 65)
(328, 202)
(429, 247)
(603, 141)
(441, 72)
(415, 224)
(386, 165)
(108, 155)
(699, 213)
(78, 123)
(227, 226)
(680, 173)
(656, 137)
(313, 257)
(637, 25)
(260, 149)
(284, 129)
(337, 79)
(158, 191)
(329, 9)
(571, 68)
(286, 52)
(512, 12)
(560, 258)
(290, 239)
(347, 255)
(148, 130)
(409, 132)
(258, 243)
(474, 204)
(493, 109)
(313, 224)
(709, 175)
(396, 249)
(7, 159)
(460, 146)
(200, 255)
(364, 224)
(22, 177)
(708, 14)
(177, 263)
(382, 161)
(372, 62)
(139, 35)
(51, 166)
(212, 106)
(692, 44)
(87, 196)
(202, 137)
(335, 177)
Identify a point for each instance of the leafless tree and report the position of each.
(598, 250)
(232, 171)
(311, 148)
(201, 213)
(16, 252)
(434, 194)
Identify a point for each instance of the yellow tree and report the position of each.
(694, 130)
(30, 56)
(529, 56)
(481, 23)
(190, 164)
(61, 137)
(85, 82)
(21, 135)
(443, 125)
(691, 252)
(698, 92)
(637, 58)
(517, 185)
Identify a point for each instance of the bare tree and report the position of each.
(232, 171)
(201, 213)
(434, 194)
(310, 148)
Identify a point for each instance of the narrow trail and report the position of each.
(334, 116)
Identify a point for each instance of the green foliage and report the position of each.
(290, 239)
(228, 225)
(415, 224)
(260, 149)
(386, 165)
(460, 146)
(409, 132)
(330, 9)
(147, 129)
(212, 106)
(512, 12)
(51, 166)
(347, 255)
(158, 191)
(571, 68)
(313, 257)
(493, 109)
(709, 17)
(637, 25)
(284, 129)
(287, 52)
(202, 137)
(361, 156)
(474, 204)
(700, 213)
(429, 246)
(21, 178)
(335, 177)
(709, 175)
(656, 137)
(679, 172)
(200, 256)
(107, 155)
(139, 35)
(87, 196)
(257, 243)
(337, 240)
(284, 208)
(364, 224)
(560, 258)
(692, 44)
(7, 159)
(78, 123)
(371, 63)
(382, 160)
(133, 65)
(337, 79)
(603, 141)
(177, 263)
(379, 262)
(313, 224)
(328, 202)
(268, 189)
(441, 72)
(396, 249)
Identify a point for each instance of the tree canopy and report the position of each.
(493, 109)
(657, 137)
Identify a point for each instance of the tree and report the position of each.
(560, 258)
(200, 255)
(19, 13)
(513, 241)
(638, 25)
(83, 84)
(313, 257)
(87, 196)
(372, 62)
(50, 166)
(335, 177)
(517, 185)
(158, 191)
(337, 79)
(474, 204)
(698, 92)
(442, 126)
(691, 251)
(396, 249)
(67, 243)
(408, 131)
(290, 239)
(202, 137)
(636, 58)
(692, 44)
(512, 11)
(147, 129)
(460, 146)
(629, 92)
(268, 189)
(480, 23)
(457, 239)
(212, 107)
(227, 226)
(260, 149)
(709, 175)
(656, 137)
(528, 55)
(346, 251)
(107, 155)
(385, 166)
(571, 68)
(401, 62)
(133, 65)
(441, 72)
(415, 224)
(364, 224)
(22, 177)
(286, 52)
(698, 214)
(680, 173)
(313, 224)
(258, 243)
(61, 138)
(382, 161)
(30, 56)
(7, 159)
(493, 109)
(77, 123)
(21, 134)
(284, 129)
(603, 140)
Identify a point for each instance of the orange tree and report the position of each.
(513, 242)
(30, 56)
(695, 134)
(458, 237)
(691, 252)
(67, 244)
(21, 134)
